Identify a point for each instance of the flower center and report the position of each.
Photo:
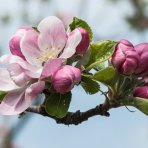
(47, 54)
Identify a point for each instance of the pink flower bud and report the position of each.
(141, 92)
(142, 50)
(14, 43)
(65, 78)
(84, 44)
(125, 58)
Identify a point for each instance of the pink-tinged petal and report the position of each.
(73, 41)
(30, 49)
(52, 33)
(125, 58)
(51, 67)
(32, 71)
(34, 90)
(84, 44)
(18, 74)
(141, 91)
(126, 43)
(6, 83)
(14, 43)
(129, 66)
(76, 72)
(118, 58)
(34, 74)
(16, 102)
(142, 50)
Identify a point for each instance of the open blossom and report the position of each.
(142, 50)
(65, 78)
(36, 55)
(50, 42)
(141, 91)
(125, 58)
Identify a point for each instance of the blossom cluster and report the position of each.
(51, 60)
(39, 55)
(132, 61)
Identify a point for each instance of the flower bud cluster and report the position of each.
(132, 60)
(129, 59)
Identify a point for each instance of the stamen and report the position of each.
(47, 54)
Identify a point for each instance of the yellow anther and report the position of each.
(47, 54)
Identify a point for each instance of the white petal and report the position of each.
(16, 102)
(32, 71)
(52, 33)
(18, 74)
(73, 41)
(30, 49)
(6, 83)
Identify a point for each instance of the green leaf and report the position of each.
(89, 85)
(99, 66)
(58, 104)
(141, 104)
(81, 23)
(2, 95)
(99, 52)
(108, 76)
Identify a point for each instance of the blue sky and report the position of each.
(122, 129)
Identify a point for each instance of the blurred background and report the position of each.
(109, 19)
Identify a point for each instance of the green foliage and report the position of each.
(58, 104)
(141, 104)
(108, 76)
(126, 85)
(81, 23)
(2, 95)
(99, 52)
(99, 66)
(89, 85)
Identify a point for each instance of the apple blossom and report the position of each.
(125, 58)
(64, 79)
(50, 42)
(33, 56)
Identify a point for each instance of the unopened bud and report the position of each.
(65, 78)
(14, 43)
(125, 58)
